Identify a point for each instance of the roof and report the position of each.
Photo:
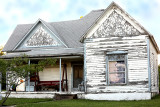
(67, 31)
(71, 33)
(47, 53)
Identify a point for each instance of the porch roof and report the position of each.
(47, 53)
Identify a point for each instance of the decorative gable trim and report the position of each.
(115, 25)
(32, 28)
(107, 12)
(41, 38)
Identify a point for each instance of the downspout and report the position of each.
(85, 78)
(149, 66)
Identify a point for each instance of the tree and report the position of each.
(18, 69)
(1, 53)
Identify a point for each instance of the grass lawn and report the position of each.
(155, 102)
(21, 101)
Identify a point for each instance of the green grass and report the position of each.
(21, 101)
(155, 102)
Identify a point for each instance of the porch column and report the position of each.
(60, 75)
(28, 78)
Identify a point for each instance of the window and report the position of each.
(116, 68)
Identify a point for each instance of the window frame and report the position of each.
(125, 53)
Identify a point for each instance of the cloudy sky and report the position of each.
(13, 12)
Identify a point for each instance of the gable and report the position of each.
(40, 36)
(115, 17)
(114, 21)
(115, 25)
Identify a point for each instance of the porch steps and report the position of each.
(65, 96)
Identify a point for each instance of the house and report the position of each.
(107, 53)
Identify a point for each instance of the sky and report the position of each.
(13, 12)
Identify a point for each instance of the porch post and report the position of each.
(60, 75)
(28, 78)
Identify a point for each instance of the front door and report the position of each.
(77, 75)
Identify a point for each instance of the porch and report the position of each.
(65, 77)
(40, 94)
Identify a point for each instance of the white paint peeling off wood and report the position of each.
(154, 69)
(107, 14)
(31, 95)
(136, 47)
(116, 96)
(117, 89)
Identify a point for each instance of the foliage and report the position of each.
(19, 69)
(1, 53)
(3, 65)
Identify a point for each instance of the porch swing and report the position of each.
(55, 84)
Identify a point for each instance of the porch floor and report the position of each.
(38, 94)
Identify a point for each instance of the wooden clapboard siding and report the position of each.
(116, 31)
(137, 63)
(116, 89)
(154, 68)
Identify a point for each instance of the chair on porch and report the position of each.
(81, 86)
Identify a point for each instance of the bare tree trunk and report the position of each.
(6, 96)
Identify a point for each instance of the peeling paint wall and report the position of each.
(154, 69)
(119, 38)
(116, 96)
(137, 64)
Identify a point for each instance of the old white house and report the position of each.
(107, 55)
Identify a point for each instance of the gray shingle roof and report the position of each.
(68, 31)
(47, 53)
(16, 36)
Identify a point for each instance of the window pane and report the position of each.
(116, 57)
(117, 78)
(116, 66)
